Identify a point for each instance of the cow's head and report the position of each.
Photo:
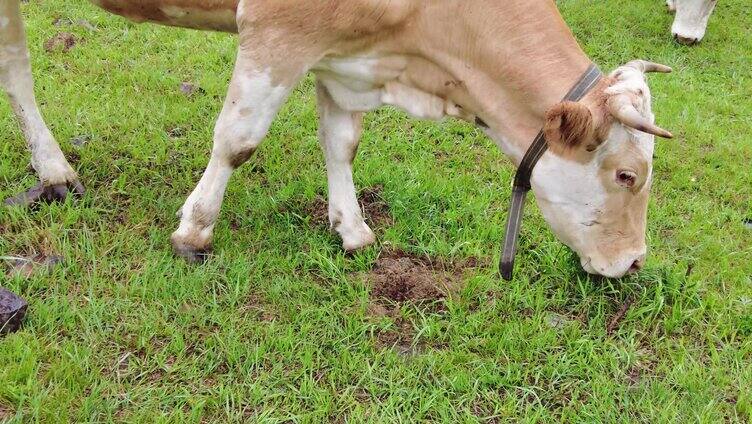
(593, 185)
(691, 19)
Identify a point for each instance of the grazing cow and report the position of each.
(691, 19)
(505, 65)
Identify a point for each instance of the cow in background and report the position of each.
(691, 19)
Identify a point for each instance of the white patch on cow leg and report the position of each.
(15, 78)
(249, 109)
(339, 135)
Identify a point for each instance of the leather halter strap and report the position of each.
(587, 81)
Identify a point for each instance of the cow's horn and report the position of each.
(623, 110)
(645, 66)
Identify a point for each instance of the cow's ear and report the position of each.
(568, 125)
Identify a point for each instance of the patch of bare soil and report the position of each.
(63, 41)
(6, 413)
(318, 211)
(376, 211)
(400, 278)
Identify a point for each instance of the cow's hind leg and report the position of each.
(256, 93)
(56, 175)
(339, 135)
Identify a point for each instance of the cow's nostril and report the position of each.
(636, 265)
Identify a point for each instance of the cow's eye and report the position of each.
(626, 178)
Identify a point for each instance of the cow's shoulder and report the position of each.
(376, 15)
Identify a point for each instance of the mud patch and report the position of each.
(400, 337)
(398, 279)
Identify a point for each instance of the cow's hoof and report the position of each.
(686, 41)
(357, 239)
(190, 253)
(46, 194)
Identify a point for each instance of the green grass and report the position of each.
(274, 327)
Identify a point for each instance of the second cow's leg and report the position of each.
(339, 135)
(55, 174)
(256, 93)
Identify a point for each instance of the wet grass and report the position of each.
(280, 325)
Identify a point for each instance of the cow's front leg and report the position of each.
(56, 175)
(339, 135)
(255, 95)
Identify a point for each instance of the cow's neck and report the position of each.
(519, 68)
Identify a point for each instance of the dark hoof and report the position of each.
(686, 41)
(46, 194)
(12, 311)
(192, 255)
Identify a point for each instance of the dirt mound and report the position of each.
(399, 278)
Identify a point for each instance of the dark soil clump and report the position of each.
(12, 311)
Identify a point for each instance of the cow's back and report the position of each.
(217, 15)
(353, 17)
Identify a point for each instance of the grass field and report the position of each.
(281, 326)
